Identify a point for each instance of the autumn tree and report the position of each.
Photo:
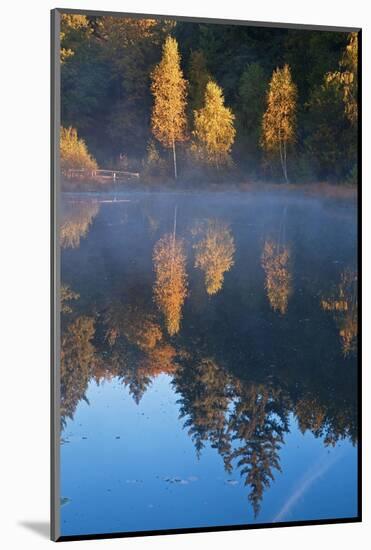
(279, 119)
(347, 77)
(214, 254)
(169, 89)
(106, 70)
(74, 152)
(74, 29)
(214, 130)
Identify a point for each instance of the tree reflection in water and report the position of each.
(77, 218)
(78, 354)
(137, 348)
(205, 393)
(234, 393)
(170, 287)
(344, 306)
(214, 253)
(244, 422)
(244, 419)
(275, 262)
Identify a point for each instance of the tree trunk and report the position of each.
(173, 243)
(283, 158)
(174, 158)
(285, 162)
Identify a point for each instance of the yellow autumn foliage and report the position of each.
(141, 329)
(214, 130)
(76, 222)
(347, 78)
(74, 153)
(279, 119)
(170, 287)
(344, 304)
(66, 295)
(159, 360)
(169, 89)
(214, 254)
(275, 262)
(71, 23)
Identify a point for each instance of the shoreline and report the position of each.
(319, 189)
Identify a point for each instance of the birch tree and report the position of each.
(279, 119)
(214, 128)
(169, 89)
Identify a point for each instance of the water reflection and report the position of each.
(214, 252)
(205, 396)
(67, 295)
(244, 422)
(77, 217)
(259, 422)
(343, 304)
(170, 286)
(77, 354)
(275, 262)
(138, 351)
(238, 373)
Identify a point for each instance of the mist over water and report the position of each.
(209, 359)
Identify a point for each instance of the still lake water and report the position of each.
(209, 360)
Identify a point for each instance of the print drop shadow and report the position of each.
(41, 528)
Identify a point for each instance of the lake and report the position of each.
(208, 360)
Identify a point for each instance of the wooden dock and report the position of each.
(101, 175)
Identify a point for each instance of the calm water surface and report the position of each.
(209, 360)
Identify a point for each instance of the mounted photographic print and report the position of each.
(205, 274)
